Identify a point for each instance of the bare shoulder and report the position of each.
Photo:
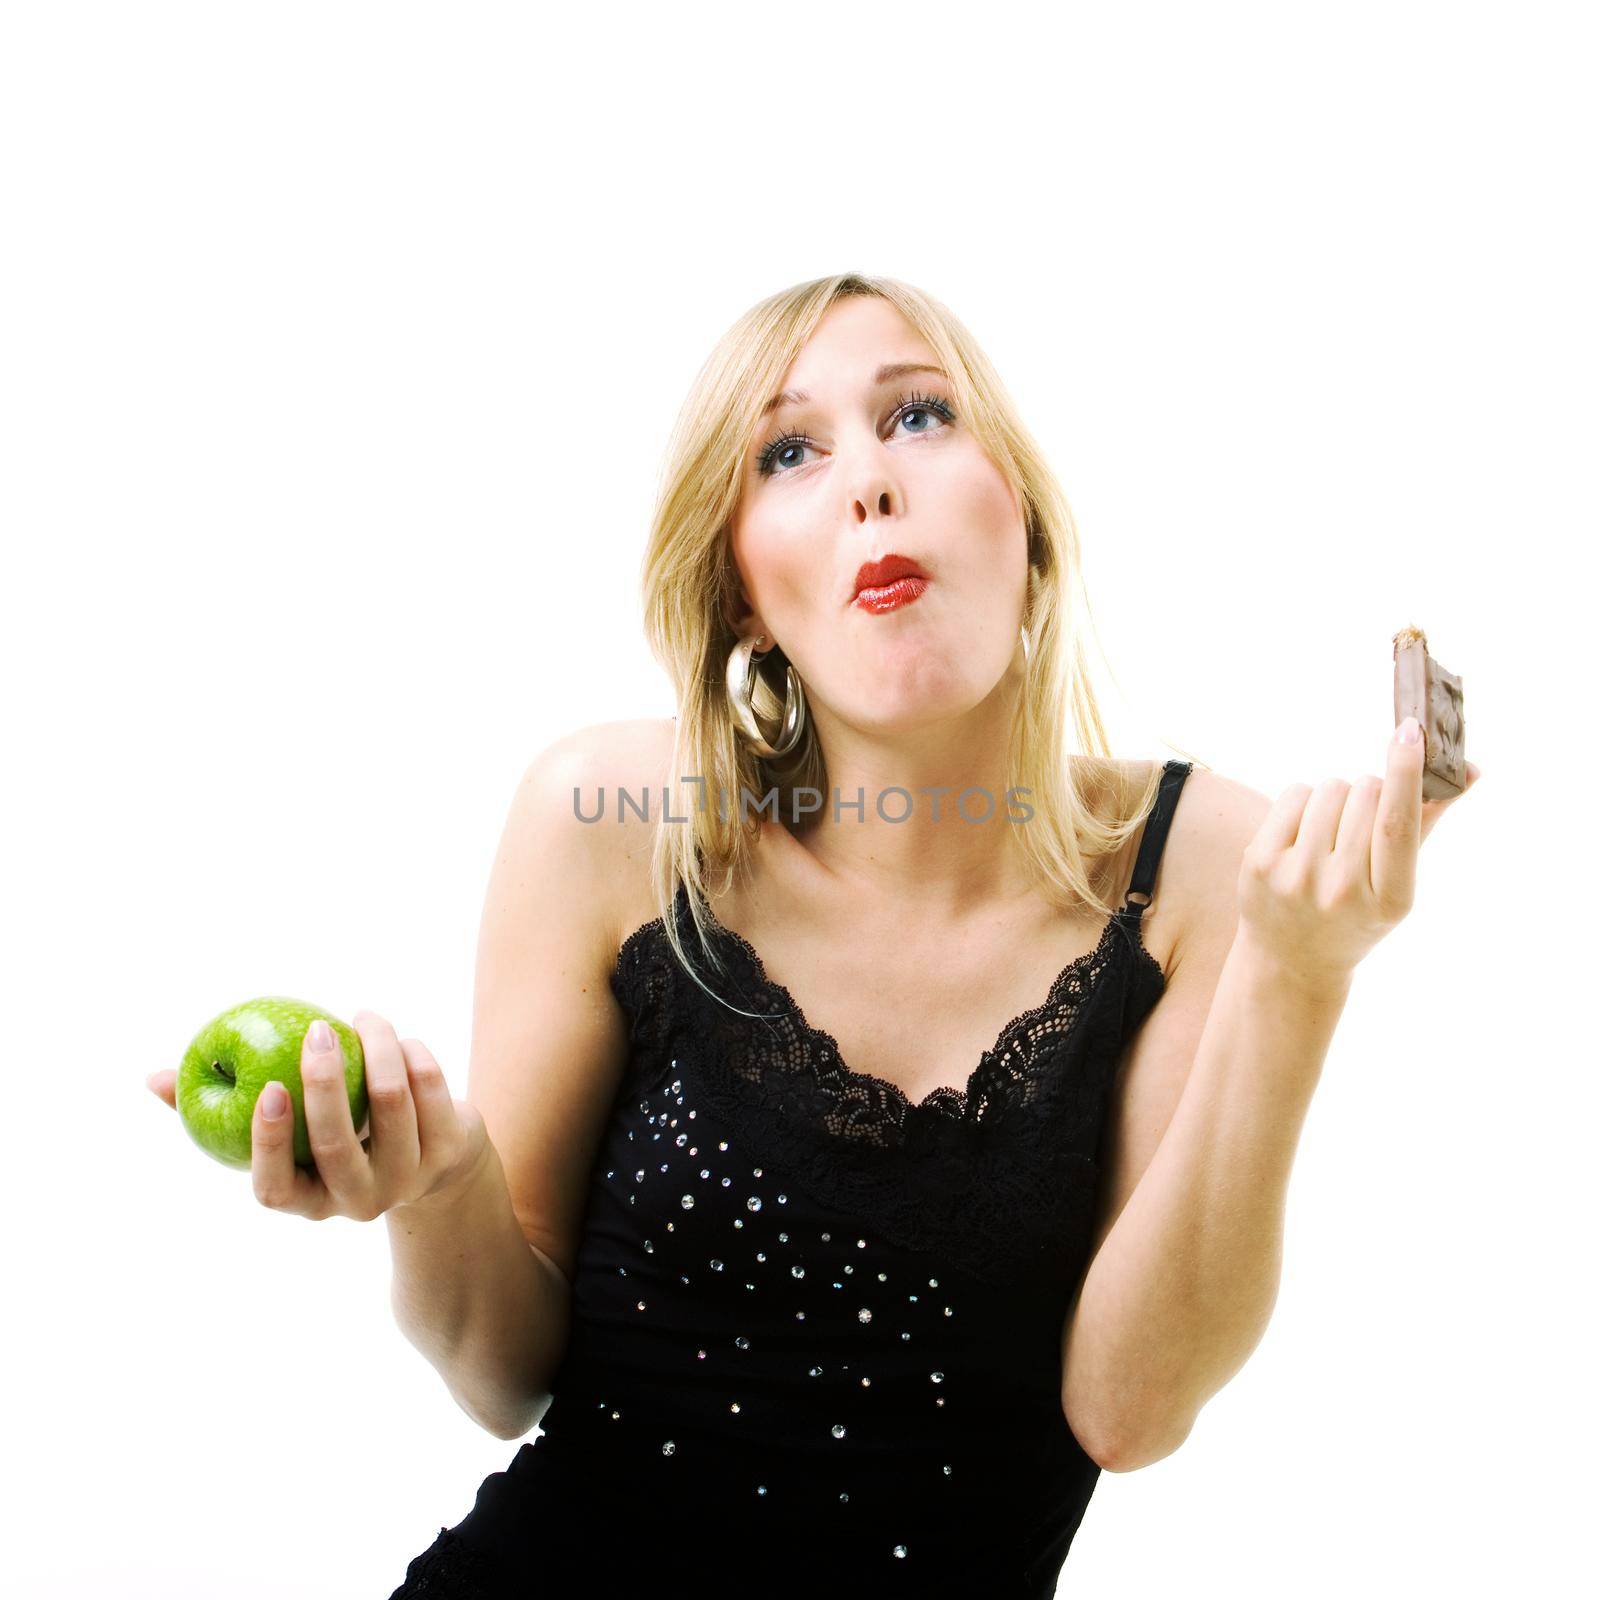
(1215, 820)
(585, 773)
(1216, 817)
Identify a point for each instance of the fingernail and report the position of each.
(274, 1101)
(1408, 732)
(321, 1036)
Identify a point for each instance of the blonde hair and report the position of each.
(691, 591)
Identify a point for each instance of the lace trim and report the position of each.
(997, 1064)
(1003, 1064)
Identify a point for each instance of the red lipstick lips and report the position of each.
(888, 584)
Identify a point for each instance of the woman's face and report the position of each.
(859, 470)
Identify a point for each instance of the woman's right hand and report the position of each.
(423, 1145)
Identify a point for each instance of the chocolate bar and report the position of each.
(1424, 690)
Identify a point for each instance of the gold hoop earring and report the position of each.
(741, 682)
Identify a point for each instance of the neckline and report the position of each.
(945, 1098)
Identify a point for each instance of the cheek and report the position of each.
(979, 510)
(775, 551)
(992, 513)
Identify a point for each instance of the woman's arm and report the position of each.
(1183, 1283)
(486, 1308)
(482, 1286)
(1181, 1290)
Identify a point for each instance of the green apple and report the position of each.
(237, 1054)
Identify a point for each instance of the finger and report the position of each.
(394, 1145)
(342, 1164)
(164, 1084)
(278, 1183)
(1319, 825)
(1397, 830)
(1280, 825)
(1354, 843)
(435, 1109)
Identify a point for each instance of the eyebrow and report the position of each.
(885, 374)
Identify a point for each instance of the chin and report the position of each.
(917, 707)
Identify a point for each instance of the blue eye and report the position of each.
(907, 405)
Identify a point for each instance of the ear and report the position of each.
(735, 604)
(743, 620)
(735, 608)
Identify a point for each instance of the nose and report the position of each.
(880, 497)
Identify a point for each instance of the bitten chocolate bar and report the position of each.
(1424, 690)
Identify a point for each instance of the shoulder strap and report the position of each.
(1155, 836)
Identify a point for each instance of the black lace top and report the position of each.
(816, 1329)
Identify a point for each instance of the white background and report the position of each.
(340, 347)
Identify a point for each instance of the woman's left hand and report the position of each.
(1331, 871)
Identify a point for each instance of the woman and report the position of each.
(835, 1274)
